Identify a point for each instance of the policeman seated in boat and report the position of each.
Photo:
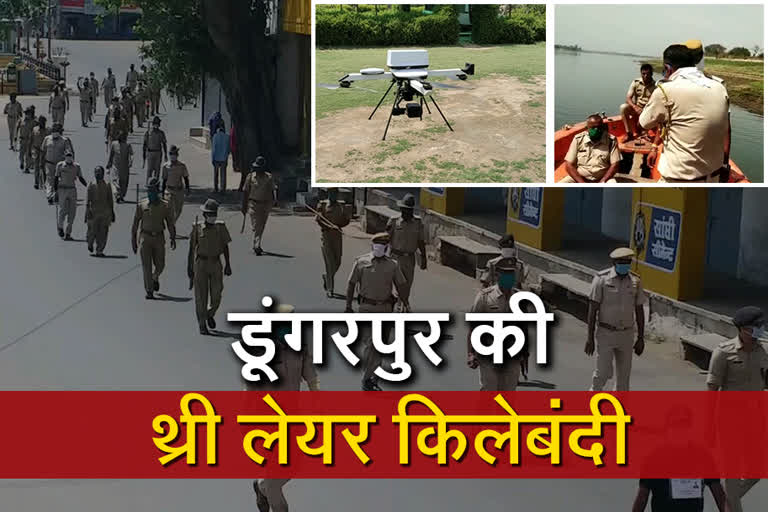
(639, 93)
(593, 156)
(692, 111)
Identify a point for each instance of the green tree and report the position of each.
(740, 53)
(714, 50)
(227, 40)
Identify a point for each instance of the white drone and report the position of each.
(408, 69)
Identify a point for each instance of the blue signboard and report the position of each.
(663, 239)
(530, 206)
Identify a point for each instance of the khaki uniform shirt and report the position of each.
(57, 102)
(13, 110)
(260, 186)
(54, 149)
(38, 136)
(94, 88)
(99, 199)
(697, 115)
(734, 369)
(118, 128)
(492, 300)
(375, 277)
(140, 98)
(640, 93)
(25, 128)
(405, 235)
(490, 276)
(174, 173)
(154, 140)
(617, 296)
(335, 213)
(593, 159)
(209, 241)
(132, 78)
(109, 85)
(126, 105)
(120, 155)
(68, 174)
(85, 95)
(153, 217)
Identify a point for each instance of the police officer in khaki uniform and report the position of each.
(53, 148)
(495, 299)
(332, 216)
(119, 165)
(13, 112)
(692, 110)
(127, 107)
(593, 156)
(99, 212)
(24, 130)
(132, 78)
(258, 198)
(118, 126)
(175, 181)
(39, 133)
(406, 236)
(109, 86)
(153, 215)
(616, 302)
(94, 95)
(155, 149)
(140, 105)
(741, 364)
(57, 106)
(85, 100)
(490, 275)
(292, 367)
(374, 275)
(64, 185)
(208, 241)
(639, 93)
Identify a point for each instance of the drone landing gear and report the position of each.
(396, 110)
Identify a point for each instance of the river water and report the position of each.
(586, 83)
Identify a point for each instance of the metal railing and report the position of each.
(47, 69)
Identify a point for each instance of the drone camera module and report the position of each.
(414, 109)
(398, 111)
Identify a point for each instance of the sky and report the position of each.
(648, 29)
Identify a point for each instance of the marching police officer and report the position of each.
(39, 133)
(741, 364)
(208, 241)
(258, 198)
(153, 216)
(490, 276)
(99, 212)
(53, 149)
(332, 216)
(84, 86)
(13, 111)
(109, 85)
(374, 275)
(616, 302)
(495, 299)
(406, 236)
(24, 131)
(175, 181)
(64, 186)
(155, 149)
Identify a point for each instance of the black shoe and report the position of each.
(258, 251)
(37, 187)
(325, 284)
(261, 501)
(156, 286)
(90, 249)
(68, 238)
(149, 296)
(21, 166)
(99, 254)
(370, 385)
(204, 330)
(61, 233)
(26, 171)
(211, 323)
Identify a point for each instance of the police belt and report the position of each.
(151, 233)
(57, 108)
(403, 253)
(614, 328)
(153, 150)
(208, 258)
(175, 189)
(66, 187)
(706, 176)
(372, 302)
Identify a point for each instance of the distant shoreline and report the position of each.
(581, 50)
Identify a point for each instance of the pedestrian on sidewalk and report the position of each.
(208, 241)
(13, 112)
(407, 236)
(331, 217)
(39, 133)
(155, 149)
(176, 181)
(85, 100)
(616, 302)
(741, 364)
(495, 299)
(220, 157)
(489, 275)
(258, 198)
(375, 275)
(119, 164)
(99, 212)
(67, 174)
(24, 130)
(153, 216)
(53, 150)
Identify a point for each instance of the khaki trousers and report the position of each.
(25, 153)
(37, 163)
(154, 161)
(67, 209)
(209, 283)
(85, 111)
(152, 253)
(272, 489)
(259, 211)
(50, 172)
(331, 245)
(568, 179)
(175, 200)
(98, 231)
(613, 346)
(120, 181)
(58, 115)
(108, 95)
(407, 264)
(140, 113)
(735, 489)
(371, 358)
(12, 129)
(494, 378)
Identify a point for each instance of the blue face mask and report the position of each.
(507, 280)
(623, 268)
(153, 196)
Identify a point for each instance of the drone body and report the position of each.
(409, 71)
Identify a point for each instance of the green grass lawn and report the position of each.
(520, 61)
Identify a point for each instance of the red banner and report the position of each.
(383, 435)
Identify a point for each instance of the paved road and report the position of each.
(70, 321)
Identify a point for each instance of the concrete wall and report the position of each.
(485, 200)
(753, 250)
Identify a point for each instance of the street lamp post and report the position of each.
(50, 26)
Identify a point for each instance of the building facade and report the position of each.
(77, 19)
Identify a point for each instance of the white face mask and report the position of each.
(379, 250)
(69, 160)
(210, 219)
(508, 252)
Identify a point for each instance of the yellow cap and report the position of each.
(693, 44)
(622, 253)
